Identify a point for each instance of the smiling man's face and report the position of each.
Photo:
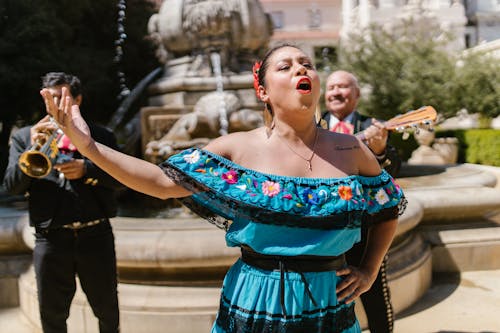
(341, 94)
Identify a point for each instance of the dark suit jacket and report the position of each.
(392, 161)
(54, 201)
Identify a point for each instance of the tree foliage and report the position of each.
(477, 84)
(38, 36)
(411, 66)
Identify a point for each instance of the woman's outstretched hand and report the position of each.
(68, 118)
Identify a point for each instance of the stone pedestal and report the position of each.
(15, 256)
(466, 246)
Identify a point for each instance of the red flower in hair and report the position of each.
(255, 71)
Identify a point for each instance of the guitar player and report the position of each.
(342, 93)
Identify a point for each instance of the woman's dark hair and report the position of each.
(264, 64)
(265, 61)
(53, 79)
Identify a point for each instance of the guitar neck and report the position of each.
(414, 118)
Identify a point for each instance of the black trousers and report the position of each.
(377, 300)
(61, 254)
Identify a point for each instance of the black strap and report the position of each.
(299, 264)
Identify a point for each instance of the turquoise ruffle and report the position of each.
(292, 195)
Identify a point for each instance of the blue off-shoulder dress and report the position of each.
(285, 216)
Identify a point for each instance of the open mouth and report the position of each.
(336, 100)
(304, 86)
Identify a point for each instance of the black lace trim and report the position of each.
(383, 215)
(387, 213)
(205, 213)
(219, 210)
(187, 182)
(182, 179)
(403, 203)
(332, 319)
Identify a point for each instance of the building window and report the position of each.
(314, 18)
(278, 19)
(467, 41)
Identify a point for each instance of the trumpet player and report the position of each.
(69, 209)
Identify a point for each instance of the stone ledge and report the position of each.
(447, 176)
(459, 250)
(453, 203)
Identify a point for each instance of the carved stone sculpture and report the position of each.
(236, 29)
(443, 151)
(195, 129)
(208, 48)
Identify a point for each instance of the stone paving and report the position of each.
(469, 303)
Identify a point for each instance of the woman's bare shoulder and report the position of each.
(352, 153)
(343, 142)
(367, 163)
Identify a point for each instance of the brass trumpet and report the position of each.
(38, 161)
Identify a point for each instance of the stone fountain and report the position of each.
(208, 49)
(170, 270)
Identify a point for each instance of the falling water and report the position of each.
(119, 42)
(216, 64)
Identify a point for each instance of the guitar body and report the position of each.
(424, 116)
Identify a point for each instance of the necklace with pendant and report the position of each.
(308, 160)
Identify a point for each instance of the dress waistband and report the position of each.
(299, 264)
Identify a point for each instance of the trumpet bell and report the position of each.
(38, 161)
(35, 164)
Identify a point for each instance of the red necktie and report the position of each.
(343, 127)
(65, 144)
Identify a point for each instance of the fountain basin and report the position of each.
(171, 270)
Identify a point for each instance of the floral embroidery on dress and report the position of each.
(231, 177)
(309, 197)
(270, 188)
(345, 192)
(291, 195)
(381, 197)
(193, 157)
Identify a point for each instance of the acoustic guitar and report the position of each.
(411, 120)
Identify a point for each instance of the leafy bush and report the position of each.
(480, 146)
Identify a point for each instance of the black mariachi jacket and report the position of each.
(391, 162)
(54, 201)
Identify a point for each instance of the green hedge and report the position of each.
(479, 146)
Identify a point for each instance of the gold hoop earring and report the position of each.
(268, 120)
(319, 120)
